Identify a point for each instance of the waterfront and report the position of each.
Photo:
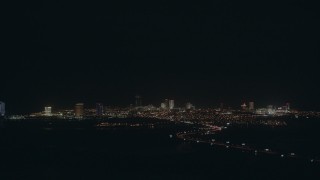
(81, 150)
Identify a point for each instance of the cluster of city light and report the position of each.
(270, 115)
(206, 133)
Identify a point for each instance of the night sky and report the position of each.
(59, 53)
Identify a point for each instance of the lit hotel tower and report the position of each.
(188, 106)
(47, 111)
(99, 109)
(2, 109)
(163, 106)
(171, 104)
(244, 106)
(78, 110)
(251, 106)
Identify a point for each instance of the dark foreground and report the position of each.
(73, 150)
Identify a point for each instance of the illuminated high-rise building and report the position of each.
(189, 106)
(251, 106)
(138, 101)
(166, 104)
(171, 104)
(47, 111)
(163, 106)
(79, 110)
(270, 109)
(99, 109)
(244, 106)
(288, 106)
(2, 109)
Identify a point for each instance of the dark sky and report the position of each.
(59, 52)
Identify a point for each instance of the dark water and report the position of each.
(73, 150)
(300, 136)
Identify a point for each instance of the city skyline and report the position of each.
(165, 104)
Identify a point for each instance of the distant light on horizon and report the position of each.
(48, 111)
(2, 109)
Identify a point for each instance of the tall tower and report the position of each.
(244, 106)
(2, 109)
(188, 106)
(47, 111)
(79, 110)
(251, 106)
(171, 104)
(288, 106)
(163, 106)
(138, 101)
(99, 109)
